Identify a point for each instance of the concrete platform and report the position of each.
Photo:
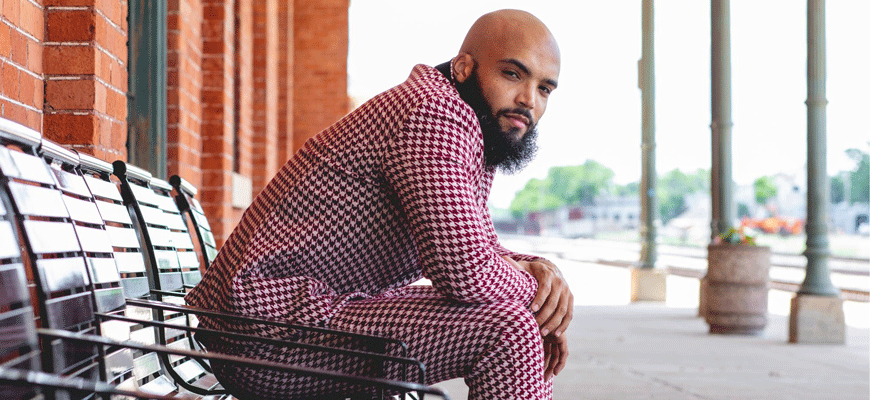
(620, 350)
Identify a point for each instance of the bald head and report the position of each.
(502, 29)
(506, 69)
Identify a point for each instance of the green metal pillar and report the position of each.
(818, 276)
(648, 141)
(723, 207)
(146, 102)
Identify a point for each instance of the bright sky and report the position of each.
(595, 113)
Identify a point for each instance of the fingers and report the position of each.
(563, 357)
(551, 359)
(567, 308)
(542, 300)
(555, 356)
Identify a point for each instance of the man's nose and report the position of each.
(526, 97)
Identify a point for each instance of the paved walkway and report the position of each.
(663, 351)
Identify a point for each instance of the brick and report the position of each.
(32, 19)
(116, 105)
(15, 112)
(69, 60)
(69, 3)
(119, 136)
(34, 120)
(5, 41)
(10, 80)
(27, 85)
(19, 48)
(12, 11)
(34, 57)
(70, 94)
(71, 26)
(71, 128)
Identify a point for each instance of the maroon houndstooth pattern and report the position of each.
(393, 192)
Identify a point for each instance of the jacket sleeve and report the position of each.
(430, 165)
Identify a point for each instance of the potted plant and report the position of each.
(735, 288)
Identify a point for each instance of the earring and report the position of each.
(452, 71)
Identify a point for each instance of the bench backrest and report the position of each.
(56, 257)
(19, 345)
(189, 206)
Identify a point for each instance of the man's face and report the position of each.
(509, 93)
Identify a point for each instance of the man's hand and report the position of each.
(553, 306)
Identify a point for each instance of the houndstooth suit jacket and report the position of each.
(394, 191)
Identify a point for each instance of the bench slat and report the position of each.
(94, 240)
(160, 237)
(84, 211)
(182, 240)
(144, 195)
(119, 363)
(69, 311)
(129, 262)
(103, 270)
(188, 260)
(161, 386)
(71, 183)
(27, 167)
(135, 287)
(57, 274)
(103, 188)
(18, 331)
(124, 238)
(112, 212)
(146, 335)
(38, 201)
(171, 281)
(110, 299)
(166, 259)
(8, 242)
(175, 221)
(13, 283)
(51, 237)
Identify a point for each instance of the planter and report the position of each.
(737, 282)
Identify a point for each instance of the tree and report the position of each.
(535, 196)
(764, 189)
(838, 190)
(673, 188)
(568, 185)
(579, 184)
(859, 179)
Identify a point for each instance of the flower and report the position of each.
(735, 236)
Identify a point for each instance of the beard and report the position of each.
(504, 150)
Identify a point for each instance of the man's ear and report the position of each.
(462, 66)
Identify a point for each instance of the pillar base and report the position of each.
(702, 297)
(648, 284)
(817, 319)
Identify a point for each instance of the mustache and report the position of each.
(519, 111)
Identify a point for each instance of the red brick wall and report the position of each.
(218, 110)
(320, 79)
(285, 81)
(63, 71)
(264, 127)
(21, 86)
(85, 73)
(184, 86)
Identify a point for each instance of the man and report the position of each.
(396, 191)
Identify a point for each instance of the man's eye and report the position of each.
(546, 90)
(511, 74)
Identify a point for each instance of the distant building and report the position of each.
(606, 214)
